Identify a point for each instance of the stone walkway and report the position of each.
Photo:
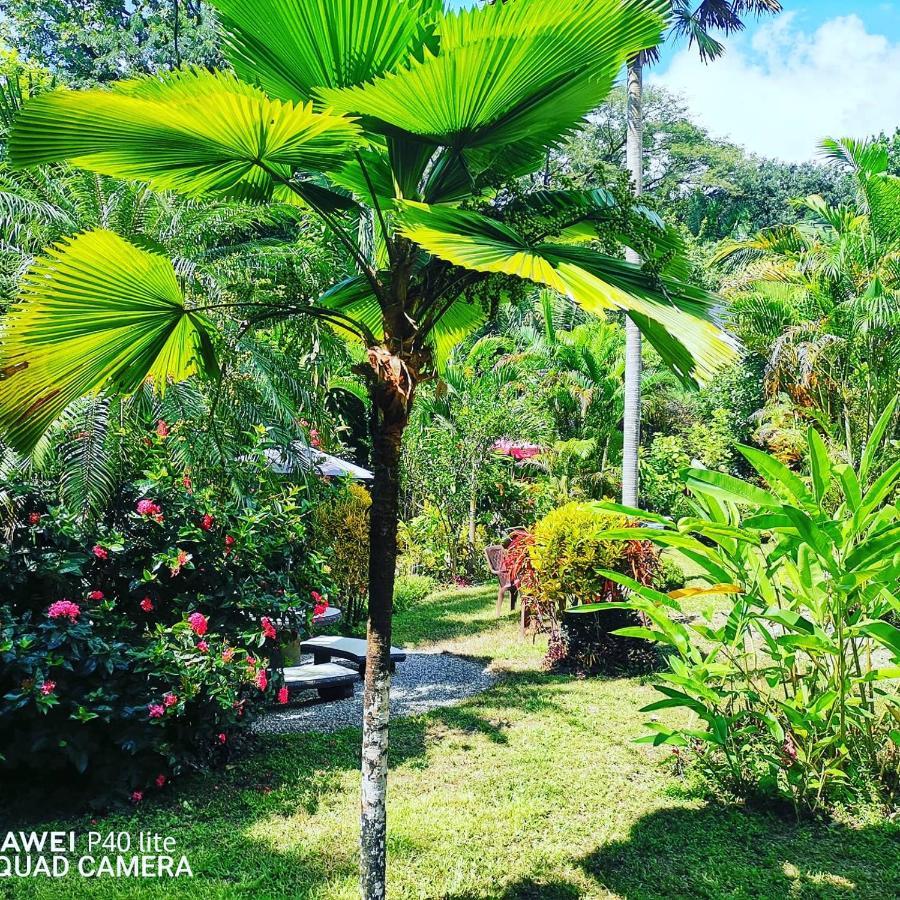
(425, 681)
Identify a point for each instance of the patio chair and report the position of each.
(494, 555)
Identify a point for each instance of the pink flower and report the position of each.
(156, 710)
(64, 609)
(199, 623)
(222, 738)
(317, 597)
(320, 608)
(268, 628)
(170, 699)
(160, 781)
(203, 647)
(518, 450)
(95, 595)
(162, 430)
(100, 552)
(228, 654)
(34, 518)
(148, 508)
(137, 796)
(315, 439)
(48, 687)
(262, 680)
(251, 662)
(147, 605)
(283, 696)
(207, 522)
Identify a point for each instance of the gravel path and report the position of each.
(425, 681)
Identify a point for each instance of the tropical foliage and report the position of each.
(791, 693)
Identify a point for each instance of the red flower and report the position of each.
(48, 687)
(317, 597)
(156, 710)
(229, 543)
(170, 699)
(314, 438)
(268, 628)
(183, 559)
(95, 595)
(147, 605)
(222, 738)
(199, 623)
(207, 522)
(162, 430)
(34, 518)
(262, 680)
(64, 609)
(203, 647)
(283, 696)
(160, 781)
(137, 796)
(187, 483)
(100, 552)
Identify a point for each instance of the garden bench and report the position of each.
(333, 682)
(325, 647)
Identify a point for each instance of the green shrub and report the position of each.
(792, 694)
(569, 557)
(411, 589)
(138, 646)
(341, 526)
(669, 575)
(568, 567)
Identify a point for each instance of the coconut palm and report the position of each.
(821, 299)
(387, 119)
(695, 22)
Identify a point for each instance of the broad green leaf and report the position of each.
(819, 464)
(712, 591)
(885, 634)
(292, 47)
(728, 488)
(873, 445)
(778, 476)
(631, 512)
(508, 80)
(191, 131)
(95, 313)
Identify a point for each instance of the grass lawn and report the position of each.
(533, 789)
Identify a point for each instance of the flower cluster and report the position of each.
(518, 450)
(150, 509)
(199, 623)
(64, 609)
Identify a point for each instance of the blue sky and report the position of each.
(822, 68)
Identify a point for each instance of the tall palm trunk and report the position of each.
(388, 428)
(634, 155)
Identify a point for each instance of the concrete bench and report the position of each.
(333, 682)
(324, 648)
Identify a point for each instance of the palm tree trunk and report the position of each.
(384, 516)
(632, 421)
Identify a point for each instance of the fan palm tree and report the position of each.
(696, 22)
(821, 299)
(389, 119)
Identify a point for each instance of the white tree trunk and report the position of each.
(634, 155)
(373, 807)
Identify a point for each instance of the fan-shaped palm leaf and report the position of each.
(292, 47)
(191, 131)
(595, 281)
(512, 78)
(95, 313)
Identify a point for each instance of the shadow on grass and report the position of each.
(732, 851)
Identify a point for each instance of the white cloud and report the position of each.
(787, 90)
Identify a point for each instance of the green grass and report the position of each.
(534, 789)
